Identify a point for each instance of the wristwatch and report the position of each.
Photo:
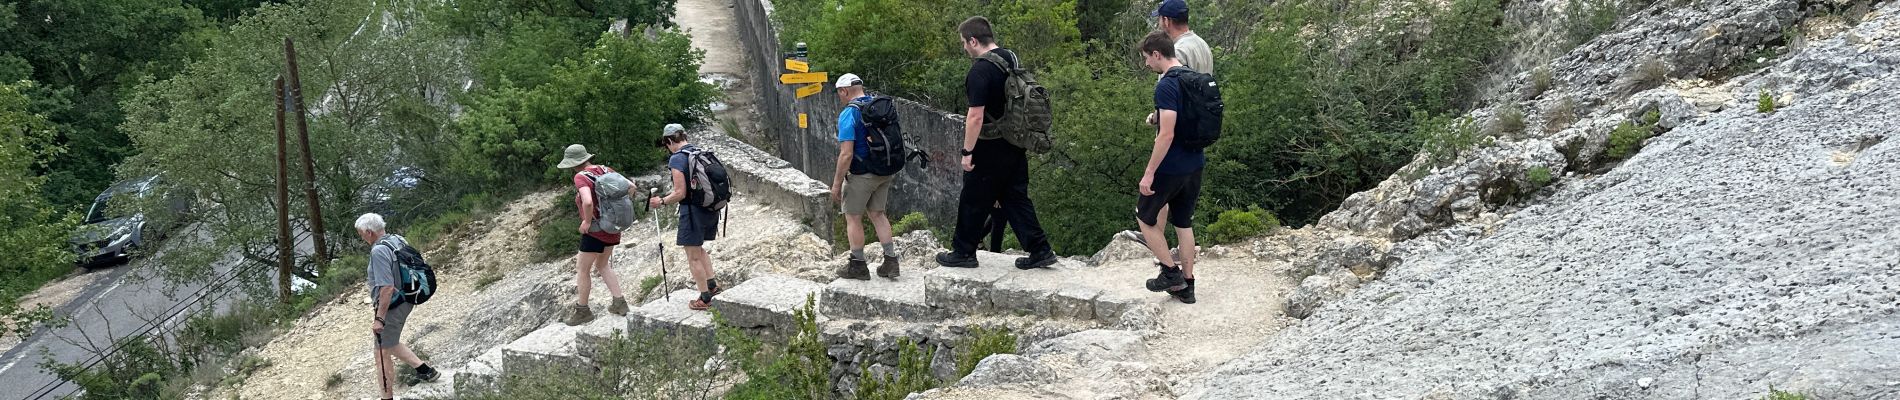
(966, 152)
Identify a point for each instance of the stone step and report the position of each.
(766, 301)
(558, 346)
(670, 314)
(1067, 290)
(901, 299)
(480, 375)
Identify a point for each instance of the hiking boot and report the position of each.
(953, 260)
(1170, 279)
(1184, 295)
(856, 269)
(1043, 259)
(889, 268)
(579, 314)
(425, 376)
(619, 307)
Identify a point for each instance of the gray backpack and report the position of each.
(614, 209)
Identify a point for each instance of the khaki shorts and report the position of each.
(866, 192)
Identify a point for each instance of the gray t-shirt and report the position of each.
(382, 263)
(1194, 53)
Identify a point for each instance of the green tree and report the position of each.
(33, 247)
(614, 98)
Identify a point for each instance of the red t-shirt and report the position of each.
(582, 181)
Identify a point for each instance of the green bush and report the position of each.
(984, 342)
(613, 98)
(1765, 103)
(647, 285)
(797, 369)
(1446, 138)
(1778, 394)
(912, 375)
(1585, 19)
(1539, 176)
(141, 369)
(33, 232)
(1628, 137)
(558, 233)
(1508, 122)
(1236, 225)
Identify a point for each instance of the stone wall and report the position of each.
(772, 181)
(931, 190)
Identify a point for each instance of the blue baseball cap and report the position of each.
(1176, 9)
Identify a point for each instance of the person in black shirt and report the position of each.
(1171, 175)
(993, 169)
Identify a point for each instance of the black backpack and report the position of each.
(1202, 104)
(707, 184)
(415, 280)
(881, 133)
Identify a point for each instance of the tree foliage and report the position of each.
(33, 233)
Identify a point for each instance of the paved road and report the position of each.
(115, 305)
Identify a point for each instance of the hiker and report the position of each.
(862, 191)
(995, 170)
(1189, 49)
(596, 244)
(1171, 178)
(391, 312)
(698, 223)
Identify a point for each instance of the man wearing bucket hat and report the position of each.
(596, 246)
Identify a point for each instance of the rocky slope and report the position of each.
(1737, 251)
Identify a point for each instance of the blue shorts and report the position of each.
(697, 225)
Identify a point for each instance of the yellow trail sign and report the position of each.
(802, 124)
(797, 66)
(808, 90)
(806, 77)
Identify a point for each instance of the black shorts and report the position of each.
(1179, 192)
(697, 226)
(591, 244)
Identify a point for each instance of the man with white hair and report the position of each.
(391, 312)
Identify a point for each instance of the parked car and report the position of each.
(111, 234)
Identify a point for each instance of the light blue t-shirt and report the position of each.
(848, 125)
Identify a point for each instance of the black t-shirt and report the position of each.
(983, 85)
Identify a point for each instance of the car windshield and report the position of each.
(98, 211)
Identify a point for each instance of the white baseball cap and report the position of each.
(849, 80)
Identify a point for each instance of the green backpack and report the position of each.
(1026, 116)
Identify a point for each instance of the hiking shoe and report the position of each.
(619, 307)
(953, 260)
(426, 376)
(1186, 295)
(698, 305)
(579, 314)
(889, 268)
(1170, 279)
(1043, 259)
(856, 269)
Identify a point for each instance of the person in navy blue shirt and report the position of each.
(1172, 176)
(858, 191)
(697, 224)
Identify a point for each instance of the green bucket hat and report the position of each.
(574, 156)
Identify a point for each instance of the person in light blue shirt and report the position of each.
(860, 192)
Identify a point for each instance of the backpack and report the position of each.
(707, 184)
(1027, 117)
(415, 278)
(1202, 104)
(881, 133)
(613, 208)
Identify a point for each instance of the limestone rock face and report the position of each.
(1737, 251)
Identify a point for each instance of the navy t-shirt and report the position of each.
(1180, 159)
(678, 162)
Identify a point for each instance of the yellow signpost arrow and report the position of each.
(805, 77)
(808, 90)
(797, 66)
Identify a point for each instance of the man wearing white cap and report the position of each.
(860, 192)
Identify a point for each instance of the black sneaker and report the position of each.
(856, 269)
(1170, 279)
(1039, 260)
(953, 260)
(1184, 295)
(427, 376)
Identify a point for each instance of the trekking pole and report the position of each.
(661, 246)
(380, 359)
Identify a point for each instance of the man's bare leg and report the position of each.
(1157, 244)
(401, 351)
(1189, 251)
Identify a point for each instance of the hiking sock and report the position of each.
(890, 249)
(705, 297)
(858, 253)
(712, 286)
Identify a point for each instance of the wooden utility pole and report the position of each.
(284, 244)
(309, 165)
